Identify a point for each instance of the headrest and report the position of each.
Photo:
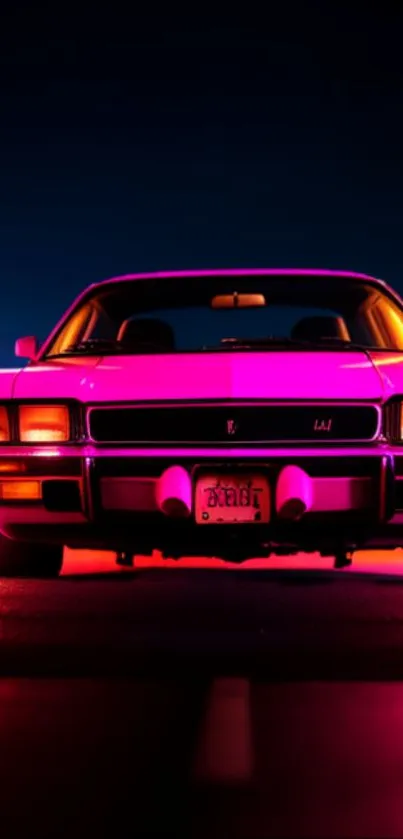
(146, 331)
(320, 327)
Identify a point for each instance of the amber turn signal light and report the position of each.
(4, 426)
(20, 490)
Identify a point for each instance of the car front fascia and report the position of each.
(89, 524)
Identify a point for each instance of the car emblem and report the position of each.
(231, 427)
(322, 425)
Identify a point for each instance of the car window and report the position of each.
(389, 322)
(79, 325)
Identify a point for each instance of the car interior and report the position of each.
(319, 328)
(146, 331)
(136, 333)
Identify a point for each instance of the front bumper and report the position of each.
(106, 498)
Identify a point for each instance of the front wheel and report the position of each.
(23, 559)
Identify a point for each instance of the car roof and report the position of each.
(240, 272)
(245, 272)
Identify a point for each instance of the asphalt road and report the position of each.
(202, 703)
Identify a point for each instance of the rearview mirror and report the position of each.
(238, 301)
(26, 347)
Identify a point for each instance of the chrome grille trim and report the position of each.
(391, 421)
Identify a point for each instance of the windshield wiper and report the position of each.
(101, 346)
(248, 343)
(284, 341)
(97, 345)
(109, 346)
(339, 343)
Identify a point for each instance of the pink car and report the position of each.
(227, 413)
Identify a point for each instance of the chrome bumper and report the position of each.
(90, 490)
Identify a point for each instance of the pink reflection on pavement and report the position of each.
(95, 562)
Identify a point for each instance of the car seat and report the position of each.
(146, 332)
(319, 328)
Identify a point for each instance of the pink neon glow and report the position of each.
(174, 492)
(294, 493)
(198, 452)
(87, 562)
(241, 272)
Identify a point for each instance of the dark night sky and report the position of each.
(141, 144)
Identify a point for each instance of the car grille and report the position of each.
(392, 422)
(232, 424)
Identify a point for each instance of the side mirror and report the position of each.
(26, 347)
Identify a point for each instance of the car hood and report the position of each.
(344, 374)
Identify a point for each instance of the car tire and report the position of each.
(23, 559)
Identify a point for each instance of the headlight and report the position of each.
(44, 423)
(4, 426)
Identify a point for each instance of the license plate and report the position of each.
(232, 499)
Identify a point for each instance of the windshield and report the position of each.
(209, 314)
